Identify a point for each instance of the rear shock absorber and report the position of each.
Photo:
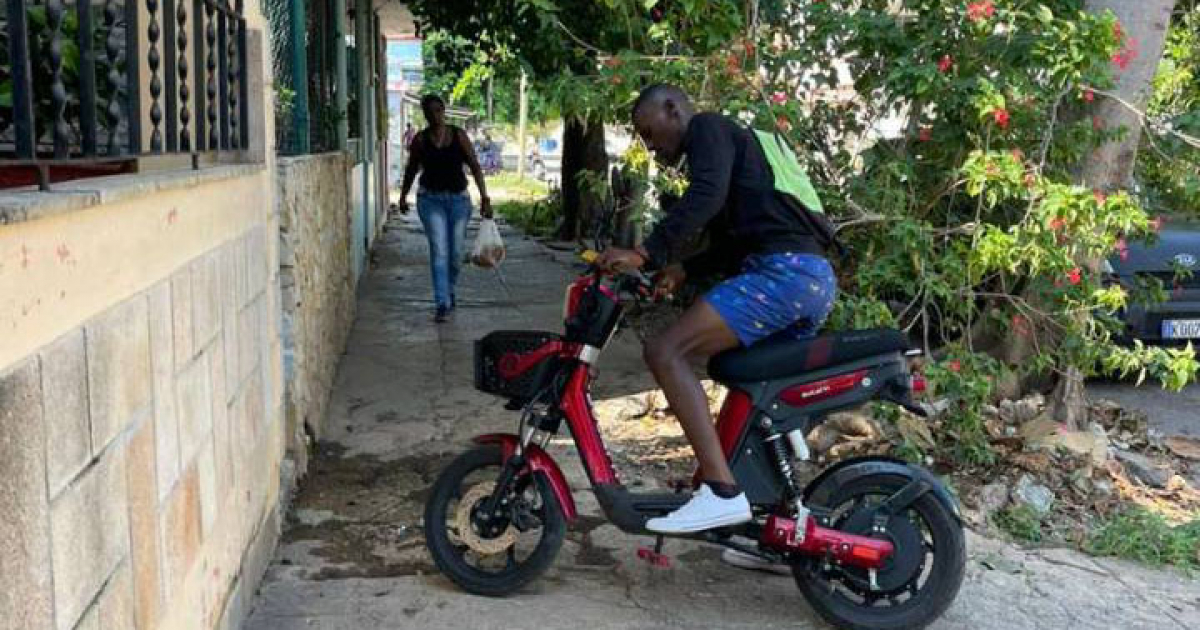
(783, 461)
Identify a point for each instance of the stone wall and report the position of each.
(317, 283)
(140, 455)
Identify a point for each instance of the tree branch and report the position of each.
(1147, 122)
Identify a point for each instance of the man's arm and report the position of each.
(710, 166)
(720, 257)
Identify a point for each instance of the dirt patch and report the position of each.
(365, 512)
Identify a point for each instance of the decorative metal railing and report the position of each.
(94, 86)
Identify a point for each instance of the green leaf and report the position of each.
(544, 5)
(1044, 14)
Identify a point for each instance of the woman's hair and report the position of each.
(429, 99)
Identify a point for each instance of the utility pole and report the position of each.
(491, 118)
(521, 128)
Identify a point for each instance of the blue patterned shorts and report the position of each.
(787, 294)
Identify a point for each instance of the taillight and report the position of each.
(917, 383)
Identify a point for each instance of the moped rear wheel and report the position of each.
(497, 555)
(916, 585)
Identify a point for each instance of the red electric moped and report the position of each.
(873, 542)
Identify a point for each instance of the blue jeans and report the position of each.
(444, 216)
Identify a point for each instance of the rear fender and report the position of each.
(538, 461)
(820, 490)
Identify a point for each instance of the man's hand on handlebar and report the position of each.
(668, 280)
(620, 260)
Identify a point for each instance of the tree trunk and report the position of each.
(583, 150)
(1110, 166)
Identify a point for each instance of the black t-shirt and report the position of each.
(731, 194)
(442, 167)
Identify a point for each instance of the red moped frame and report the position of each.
(630, 511)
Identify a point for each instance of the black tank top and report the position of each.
(442, 167)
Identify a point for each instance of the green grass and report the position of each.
(535, 218)
(508, 185)
(1020, 522)
(1141, 535)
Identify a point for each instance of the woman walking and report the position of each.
(440, 152)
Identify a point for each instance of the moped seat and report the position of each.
(781, 357)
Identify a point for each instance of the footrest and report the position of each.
(654, 558)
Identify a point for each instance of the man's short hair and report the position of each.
(658, 93)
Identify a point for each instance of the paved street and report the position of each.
(1169, 412)
(352, 555)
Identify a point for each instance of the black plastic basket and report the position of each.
(489, 352)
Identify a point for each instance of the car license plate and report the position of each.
(1181, 328)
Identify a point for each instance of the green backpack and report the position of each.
(796, 190)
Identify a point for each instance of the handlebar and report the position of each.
(642, 285)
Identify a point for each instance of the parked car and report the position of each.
(1171, 259)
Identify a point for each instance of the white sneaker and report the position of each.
(735, 558)
(704, 511)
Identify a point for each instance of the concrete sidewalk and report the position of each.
(352, 555)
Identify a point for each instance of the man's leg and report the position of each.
(700, 333)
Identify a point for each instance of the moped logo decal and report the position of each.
(815, 392)
(1185, 260)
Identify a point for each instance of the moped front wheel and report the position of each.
(485, 553)
(914, 587)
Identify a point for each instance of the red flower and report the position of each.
(1018, 155)
(1057, 223)
(1000, 116)
(1089, 95)
(1075, 276)
(612, 62)
(748, 46)
(1121, 59)
(945, 63)
(924, 134)
(779, 98)
(1020, 325)
(954, 366)
(783, 124)
(1118, 32)
(733, 64)
(979, 11)
(1156, 223)
(1100, 196)
(1122, 248)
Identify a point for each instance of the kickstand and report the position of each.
(655, 557)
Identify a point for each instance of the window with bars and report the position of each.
(90, 86)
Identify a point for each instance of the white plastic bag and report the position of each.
(488, 250)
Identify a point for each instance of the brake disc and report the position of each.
(466, 528)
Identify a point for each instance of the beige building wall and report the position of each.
(317, 283)
(141, 392)
(140, 407)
